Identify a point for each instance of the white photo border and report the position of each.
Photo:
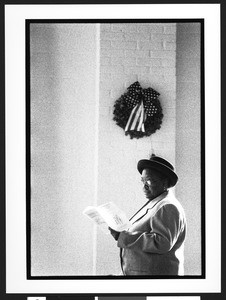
(15, 46)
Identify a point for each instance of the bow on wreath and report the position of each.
(141, 100)
(138, 111)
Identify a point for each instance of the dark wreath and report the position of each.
(152, 107)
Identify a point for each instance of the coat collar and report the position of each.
(149, 205)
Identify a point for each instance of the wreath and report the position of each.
(138, 111)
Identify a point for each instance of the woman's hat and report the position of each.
(159, 164)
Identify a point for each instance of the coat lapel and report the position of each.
(148, 206)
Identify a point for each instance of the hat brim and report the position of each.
(148, 164)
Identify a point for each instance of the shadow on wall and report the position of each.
(188, 139)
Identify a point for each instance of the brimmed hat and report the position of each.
(159, 164)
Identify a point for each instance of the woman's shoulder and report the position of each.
(170, 200)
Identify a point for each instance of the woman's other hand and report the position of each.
(114, 233)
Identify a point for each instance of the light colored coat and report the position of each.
(153, 245)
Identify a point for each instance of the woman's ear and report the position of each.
(166, 183)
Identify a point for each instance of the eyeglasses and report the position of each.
(149, 182)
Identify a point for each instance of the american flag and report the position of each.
(136, 119)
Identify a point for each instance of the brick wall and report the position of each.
(131, 52)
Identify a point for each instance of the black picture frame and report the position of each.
(3, 293)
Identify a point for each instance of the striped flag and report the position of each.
(136, 118)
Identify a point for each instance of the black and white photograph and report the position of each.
(115, 117)
(113, 111)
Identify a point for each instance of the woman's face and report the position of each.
(154, 183)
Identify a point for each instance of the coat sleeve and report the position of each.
(163, 234)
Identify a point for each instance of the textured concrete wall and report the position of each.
(63, 83)
(188, 151)
(131, 52)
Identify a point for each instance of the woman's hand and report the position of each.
(114, 233)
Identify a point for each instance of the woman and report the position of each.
(153, 245)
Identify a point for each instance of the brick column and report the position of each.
(129, 52)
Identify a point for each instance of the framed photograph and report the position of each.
(76, 75)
